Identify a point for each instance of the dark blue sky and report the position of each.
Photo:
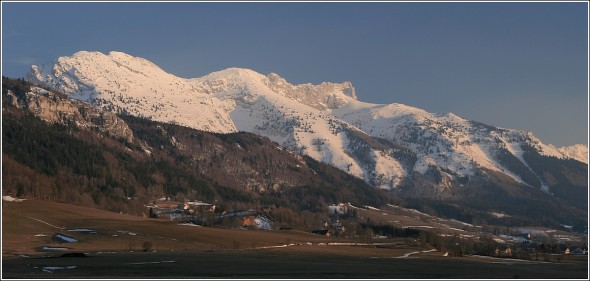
(514, 65)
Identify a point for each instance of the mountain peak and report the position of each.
(232, 73)
(88, 74)
(315, 119)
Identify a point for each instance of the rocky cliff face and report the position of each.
(57, 108)
(323, 96)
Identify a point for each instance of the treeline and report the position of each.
(46, 149)
(17, 86)
(48, 162)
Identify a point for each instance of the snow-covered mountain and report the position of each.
(576, 151)
(389, 146)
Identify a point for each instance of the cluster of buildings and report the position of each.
(530, 243)
(203, 213)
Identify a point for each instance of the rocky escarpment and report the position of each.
(57, 108)
(323, 96)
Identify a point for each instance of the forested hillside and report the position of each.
(64, 162)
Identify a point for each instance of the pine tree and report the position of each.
(153, 214)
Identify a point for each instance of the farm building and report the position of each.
(339, 209)
(258, 222)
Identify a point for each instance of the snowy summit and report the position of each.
(324, 121)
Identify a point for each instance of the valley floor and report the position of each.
(36, 235)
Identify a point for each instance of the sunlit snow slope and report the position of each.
(382, 144)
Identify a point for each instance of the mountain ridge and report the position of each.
(322, 121)
(180, 151)
(61, 149)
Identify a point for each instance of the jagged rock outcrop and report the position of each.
(57, 108)
(323, 96)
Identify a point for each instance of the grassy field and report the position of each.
(132, 247)
(278, 264)
(31, 224)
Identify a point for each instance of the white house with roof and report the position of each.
(339, 208)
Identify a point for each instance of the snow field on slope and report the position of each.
(296, 116)
(263, 106)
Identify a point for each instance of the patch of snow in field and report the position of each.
(406, 255)
(498, 215)
(413, 226)
(128, 232)
(271, 247)
(12, 199)
(342, 244)
(40, 235)
(372, 208)
(452, 228)
(54, 248)
(50, 269)
(567, 226)
(464, 223)
(190, 224)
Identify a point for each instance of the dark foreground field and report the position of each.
(115, 249)
(280, 264)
